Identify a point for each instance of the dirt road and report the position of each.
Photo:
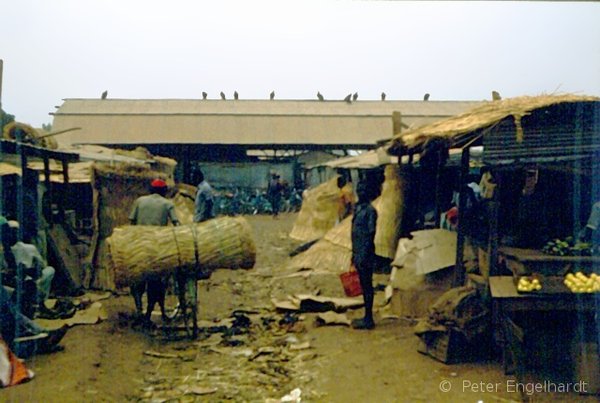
(263, 355)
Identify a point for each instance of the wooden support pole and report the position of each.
(47, 198)
(459, 270)
(21, 184)
(63, 196)
(47, 173)
(493, 207)
(438, 191)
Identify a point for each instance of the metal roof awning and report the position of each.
(367, 160)
(265, 124)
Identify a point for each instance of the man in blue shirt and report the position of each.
(204, 200)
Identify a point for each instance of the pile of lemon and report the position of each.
(527, 285)
(580, 283)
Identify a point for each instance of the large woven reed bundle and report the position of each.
(333, 253)
(389, 208)
(184, 208)
(115, 187)
(340, 234)
(389, 214)
(30, 135)
(139, 251)
(319, 212)
(323, 256)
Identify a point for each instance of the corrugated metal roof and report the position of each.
(260, 107)
(242, 122)
(367, 160)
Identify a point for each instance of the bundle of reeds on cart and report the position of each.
(138, 251)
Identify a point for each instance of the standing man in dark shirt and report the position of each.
(364, 224)
(274, 193)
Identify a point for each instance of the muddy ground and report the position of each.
(267, 356)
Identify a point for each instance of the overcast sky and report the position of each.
(177, 49)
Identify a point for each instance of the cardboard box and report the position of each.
(413, 303)
(445, 347)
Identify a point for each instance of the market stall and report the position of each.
(536, 192)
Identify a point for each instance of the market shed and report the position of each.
(196, 131)
(538, 184)
(518, 132)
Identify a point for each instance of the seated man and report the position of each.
(17, 328)
(37, 274)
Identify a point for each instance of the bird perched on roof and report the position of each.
(223, 96)
(355, 96)
(320, 96)
(236, 95)
(496, 96)
(426, 97)
(204, 95)
(348, 98)
(272, 95)
(104, 95)
(383, 96)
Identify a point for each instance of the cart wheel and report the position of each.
(195, 312)
(191, 304)
(172, 305)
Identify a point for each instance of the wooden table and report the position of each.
(526, 261)
(506, 301)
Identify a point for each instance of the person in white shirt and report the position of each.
(36, 270)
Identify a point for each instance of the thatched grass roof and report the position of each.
(30, 134)
(456, 128)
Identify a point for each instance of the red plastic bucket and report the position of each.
(351, 283)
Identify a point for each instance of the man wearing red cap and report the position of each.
(152, 209)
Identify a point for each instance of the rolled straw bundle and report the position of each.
(139, 251)
(319, 211)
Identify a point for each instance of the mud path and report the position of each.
(264, 355)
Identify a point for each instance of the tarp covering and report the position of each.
(367, 160)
